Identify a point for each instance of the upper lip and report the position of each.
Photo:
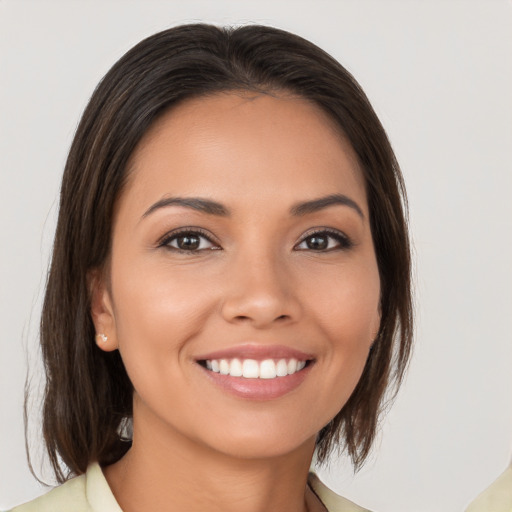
(257, 352)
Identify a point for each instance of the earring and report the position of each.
(102, 337)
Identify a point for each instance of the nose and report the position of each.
(260, 292)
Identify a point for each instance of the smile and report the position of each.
(253, 369)
(256, 371)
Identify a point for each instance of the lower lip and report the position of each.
(259, 389)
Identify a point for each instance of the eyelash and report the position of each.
(192, 232)
(343, 241)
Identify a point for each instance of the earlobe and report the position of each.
(102, 338)
(102, 311)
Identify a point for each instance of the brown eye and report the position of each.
(188, 241)
(324, 241)
(317, 242)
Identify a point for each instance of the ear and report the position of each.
(102, 311)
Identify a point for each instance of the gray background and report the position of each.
(439, 74)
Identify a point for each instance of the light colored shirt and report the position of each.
(90, 492)
(497, 497)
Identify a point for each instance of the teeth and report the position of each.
(236, 369)
(292, 366)
(267, 369)
(252, 369)
(282, 368)
(224, 367)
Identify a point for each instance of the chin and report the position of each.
(263, 441)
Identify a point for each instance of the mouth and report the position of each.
(257, 372)
(256, 369)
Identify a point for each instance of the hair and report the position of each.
(88, 394)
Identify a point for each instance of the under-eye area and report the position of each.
(254, 369)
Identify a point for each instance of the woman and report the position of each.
(230, 283)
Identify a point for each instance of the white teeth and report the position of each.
(224, 367)
(252, 369)
(292, 366)
(282, 368)
(268, 369)
(236, 369)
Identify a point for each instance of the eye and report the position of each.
(324, 240)
(188, 241)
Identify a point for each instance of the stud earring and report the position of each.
(102, 337)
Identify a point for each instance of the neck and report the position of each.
(168, 471)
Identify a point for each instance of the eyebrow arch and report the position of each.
(213, 208)
(196, 203)
(324, 202)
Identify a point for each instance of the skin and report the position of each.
(258, 281)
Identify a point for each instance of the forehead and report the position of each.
(243, 147)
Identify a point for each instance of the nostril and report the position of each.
(241, 317)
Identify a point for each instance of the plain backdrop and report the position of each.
(439, 74)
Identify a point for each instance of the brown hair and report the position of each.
(88, 394)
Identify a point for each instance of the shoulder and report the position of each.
(332, 501)
(85, 493)
(61, 498)
(497, 497)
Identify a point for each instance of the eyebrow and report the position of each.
(196, 203)
(214, 208)
(315, 205)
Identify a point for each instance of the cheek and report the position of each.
(345, 308)
(158, 313)
(153, 296)
(345, 303)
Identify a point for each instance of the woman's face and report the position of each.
(243, 291)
